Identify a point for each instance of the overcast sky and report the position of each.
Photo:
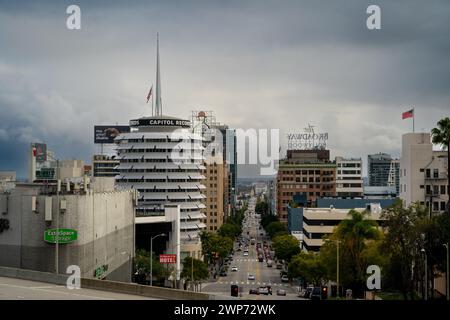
(256, 64)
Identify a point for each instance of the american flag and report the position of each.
(150, 93)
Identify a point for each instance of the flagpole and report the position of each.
(414, 115)
(152, 102)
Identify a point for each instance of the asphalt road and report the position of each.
(250, 265)
(17, 289)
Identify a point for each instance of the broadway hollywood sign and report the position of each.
(308, 139)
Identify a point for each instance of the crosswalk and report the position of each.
(245, 259)
(254, 283)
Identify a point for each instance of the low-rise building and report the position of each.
(320, 222)
(96, 226)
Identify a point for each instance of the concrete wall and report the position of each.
(105, 225)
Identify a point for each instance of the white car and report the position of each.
(234, 268)
(245, 253)
(251, 277)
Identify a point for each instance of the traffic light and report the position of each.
(234, 290)
(324, 293)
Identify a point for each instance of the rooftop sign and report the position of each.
(309, 139)
(149, 122)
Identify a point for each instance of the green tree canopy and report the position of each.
(199, 270)
(229, 230)
(215, 245)
(142, 262)
(286, 246)
(308, 267)
(275, 227)
(403, 241)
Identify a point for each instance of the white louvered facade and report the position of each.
(164, 163)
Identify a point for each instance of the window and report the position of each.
(422, 186)
(436, 206)
(435, 173)
(428, 173)
(442, 190)
(442, 206)
(435, 190)
(422, 170)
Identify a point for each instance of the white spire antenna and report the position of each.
(158, 105)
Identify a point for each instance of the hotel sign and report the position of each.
(146, 122)
(167, 258)
(307, 140)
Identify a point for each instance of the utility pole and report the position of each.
(151, 256)
(337, 267)
(446, 245)
(58, 187)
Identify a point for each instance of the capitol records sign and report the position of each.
(307, 140)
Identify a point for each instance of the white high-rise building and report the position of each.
(162, 159)
(423, 172)
(349, 182)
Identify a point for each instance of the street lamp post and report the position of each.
(151, 256)
(426, 274)
(446, 274)
(337, 267)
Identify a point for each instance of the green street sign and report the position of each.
(64, 235)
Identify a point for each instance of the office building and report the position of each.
(383, 170)
(215, 183)
(349, 182)
(104, 165)
(321, 222)
(423, 173)
(98, 223)
(304, 171)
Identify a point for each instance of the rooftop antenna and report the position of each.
(158, 106)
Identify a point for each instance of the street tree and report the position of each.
(275, 227)
(286, 246)
(403, 241)
(308, 267)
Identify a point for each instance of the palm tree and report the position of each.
(441, 135)
(354, 233)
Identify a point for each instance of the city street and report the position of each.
(249, 265)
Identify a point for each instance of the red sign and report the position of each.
(167, 258)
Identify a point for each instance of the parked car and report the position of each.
(308, 292)
(279, 265)
(316, 294)
(269, 263)
(223, 273)
(281, 292)
(260, 258)
(253, 291)
(251, 277)
(284, 278)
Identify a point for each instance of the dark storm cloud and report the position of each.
(256, 64)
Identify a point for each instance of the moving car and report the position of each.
(279, 265)
(251, 277)
(253, 291)
(234, 268)
(281, 292)
(269, 263)
(284, 278)
(245, 253)
(260, 258)
(263, 290)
